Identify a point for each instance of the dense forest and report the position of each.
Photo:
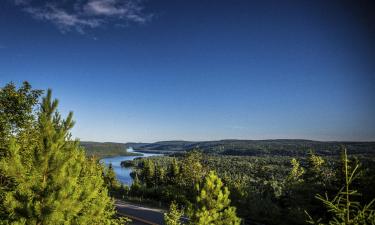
(265, 190)
(279, 147)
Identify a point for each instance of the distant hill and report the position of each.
(106, 149)
(135, 145)
(286, 147)
(167, 146)
(280, 147)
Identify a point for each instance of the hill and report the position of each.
(282, 147)
(279, 147)
(106, 149)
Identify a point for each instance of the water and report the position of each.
(122, 173)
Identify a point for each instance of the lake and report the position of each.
(122, 173)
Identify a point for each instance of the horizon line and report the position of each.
(230, 139)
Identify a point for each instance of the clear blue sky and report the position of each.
(198, 70)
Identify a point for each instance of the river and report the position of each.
(122, 173)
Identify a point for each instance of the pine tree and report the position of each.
(57, 184)
(191, 170)
(159, 174)
(174, 172)
(173, 216)
(213, 203)
(110, 178)
(315, 169)
(136, 187)
(148, 173)
(295, 175)
(344, 208)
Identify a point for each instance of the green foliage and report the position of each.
(278, 147)
(316, 169)
(296, 173)
(173, 172)
(148, 172)
(269, 188)
(110, 178)
(136, 187)
(213, 203)
(191, 169)
(106, 149)
(261, 188)
(160, 175)
(16, 108)
(48, 178)
(173, 216)
(343, 207)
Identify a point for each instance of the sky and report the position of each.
(154, 70)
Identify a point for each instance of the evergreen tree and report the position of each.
(173, 216)
(213, 203)
(315, 169)
(110, 178)
(191, 170)
(159, 174)
(124, 191)
(173, 171)
(344, 208)
(136, 187)
(148, 173)
(57, 184)
(295, 175)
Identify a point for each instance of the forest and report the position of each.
(278, 147)
(265, 190)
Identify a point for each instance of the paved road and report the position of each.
(140, 215)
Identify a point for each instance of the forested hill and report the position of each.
(280, 147)
(106, 149)
(286, 147)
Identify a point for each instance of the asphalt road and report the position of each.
(140, 215)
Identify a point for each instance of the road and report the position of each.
(140, 215)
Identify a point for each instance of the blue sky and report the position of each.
(198, 70)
